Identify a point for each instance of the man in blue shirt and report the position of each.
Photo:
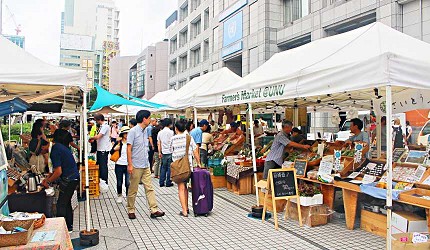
(66, 171)
(197, 135)
(138, 166)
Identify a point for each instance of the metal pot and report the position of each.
(32, 186)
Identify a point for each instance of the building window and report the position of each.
(70, 56)
(206, 19)
(216, 8)
(215, 40)
(173, 44)
(205, 49)
(194, 76)
(181, 83)
(196, 28)
(70, 64)
(172, 85)
(295, 9)
(183, 36)
(141, 77)
(173, 68)
(183, 63)
(195, 4)
(195, 56)
(183, 11)
(253, 18)
(253, 59)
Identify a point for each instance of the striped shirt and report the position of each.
(277, 150)
(178, 146)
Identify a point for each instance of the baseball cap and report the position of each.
(203, 122)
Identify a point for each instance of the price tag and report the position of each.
(353, 175)
(325, 168)
(368, 179)
(419, 172)
(337, 155)
(419, 238)
(358, 155)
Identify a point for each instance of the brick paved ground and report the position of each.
(228, 227)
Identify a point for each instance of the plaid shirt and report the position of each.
(277, 149)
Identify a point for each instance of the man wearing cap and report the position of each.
(197, 135)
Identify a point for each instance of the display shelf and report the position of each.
(413, 196)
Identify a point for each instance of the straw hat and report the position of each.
(124, 130)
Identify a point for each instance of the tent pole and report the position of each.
(87, 181)
(22, 121)
(81, 147)
(10, 120)
(378, 136)
(254, 160)
(389, 163)
(248, 118)
(195, 118)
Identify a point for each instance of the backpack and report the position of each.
(180, 169)
(398, 137)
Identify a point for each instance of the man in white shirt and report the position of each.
(103, 146)
(165, 153)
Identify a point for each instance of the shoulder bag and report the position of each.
(180, 169)
(116, 154)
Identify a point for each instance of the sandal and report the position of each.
(182, 214)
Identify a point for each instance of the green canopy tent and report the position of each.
(105, 98)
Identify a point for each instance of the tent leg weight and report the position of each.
(89, 238)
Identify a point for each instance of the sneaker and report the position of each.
(157, 214)
(169, 185)
(119, 199)
(132, 216)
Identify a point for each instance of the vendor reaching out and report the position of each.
(275, 157)
(234, 128)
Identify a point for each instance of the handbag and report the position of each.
(180, 169)
(115, 156)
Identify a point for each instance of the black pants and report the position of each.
(151, 158)
(102, 160)
(121, 173)
(64, 203)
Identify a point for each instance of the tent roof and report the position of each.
(162, 97)
(19, 71)
(14, 105)
(206, 85)
(107, 110)
(105, 98)
(144, 101)
(371, 56)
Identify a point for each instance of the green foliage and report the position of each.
(15, 131)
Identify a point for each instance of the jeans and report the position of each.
(102, 161)
(166, 160)
(204, 157)
(120, 171)
(267, 166)
(64, 202)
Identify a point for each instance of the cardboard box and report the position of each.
(397, 244)
(407, 222)
(311, 216)
(310, 201)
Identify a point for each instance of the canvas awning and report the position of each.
(14, 105)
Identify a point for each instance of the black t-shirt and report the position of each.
(32, 146)
(154, 134)
(64, 136)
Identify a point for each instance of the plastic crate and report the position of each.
(94, 188)
(218, 170)
(214, 162)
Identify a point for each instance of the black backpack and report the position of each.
(398, 137)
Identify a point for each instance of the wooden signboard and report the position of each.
(398, 153)
(282, 183)
(300, 166)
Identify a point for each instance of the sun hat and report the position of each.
(124, 130)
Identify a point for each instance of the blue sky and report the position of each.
(141, 24)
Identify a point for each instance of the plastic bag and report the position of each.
(104, 188)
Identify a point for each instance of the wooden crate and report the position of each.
(414, 196)
(374, 223)
(259, 177)
(312, 216)
(243, 186)
(219, 181)
(280, 204)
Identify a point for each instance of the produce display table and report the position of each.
(61, 241)
(327, 190)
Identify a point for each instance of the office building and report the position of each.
(119, 73)
(205, 35)
(18, 40)
(148, 75)
(89, 31)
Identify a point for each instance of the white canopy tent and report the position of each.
(23, 75)
(348, 68)
(163, 97)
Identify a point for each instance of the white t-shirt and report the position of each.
(164, 137)
(177, 146)
(123, 158)
(104, 143)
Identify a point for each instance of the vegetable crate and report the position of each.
(218, 170)
(94, 181)
(94, 188)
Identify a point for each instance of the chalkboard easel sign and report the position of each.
(300, 166)
(398, 153)
(283, 186)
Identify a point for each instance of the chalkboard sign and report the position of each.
(300, 166)
(397, 154)
(284, 183)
